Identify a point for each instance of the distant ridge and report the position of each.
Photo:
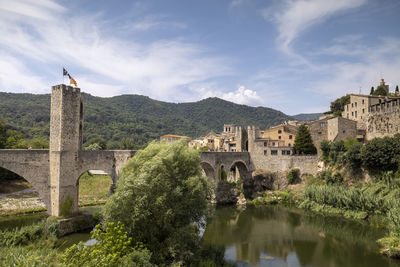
(136, 119)
(307, 116)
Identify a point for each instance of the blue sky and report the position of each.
(294, 56)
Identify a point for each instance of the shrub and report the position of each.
(29, 234)
(112, 248)
(292, 176)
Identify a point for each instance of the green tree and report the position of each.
(397, 90)
(160, 198)
(372, 90)
(337, 106)
(380, 154)
(380, 90)
(303, 143)
(325, 147)
(96, 142)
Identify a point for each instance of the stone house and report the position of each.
(331, 129)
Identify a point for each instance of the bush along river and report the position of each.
(274, 236)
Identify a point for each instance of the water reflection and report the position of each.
(272, 236)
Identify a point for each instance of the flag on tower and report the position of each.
(71, 80)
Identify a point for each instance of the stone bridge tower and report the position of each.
(66, 118)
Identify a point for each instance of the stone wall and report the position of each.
(380, 124)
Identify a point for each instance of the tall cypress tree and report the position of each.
(372, 90)
(303, 143)
(397, 90)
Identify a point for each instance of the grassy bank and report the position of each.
(93, 190)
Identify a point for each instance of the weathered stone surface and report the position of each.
(226, 193)
(263, 180)
(75, 224)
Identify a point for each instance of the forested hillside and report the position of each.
(131, 121)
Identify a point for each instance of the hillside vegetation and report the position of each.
(131, 121)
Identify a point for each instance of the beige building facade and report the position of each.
(332, 129)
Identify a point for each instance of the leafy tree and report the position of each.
(112, 248)
(325, 147)
(160, 197)
(96, 142)
(353, 157)
(372, 90)
(380, 90)
(337, 106)
(379, 154)
(303, 143)
(349, 142)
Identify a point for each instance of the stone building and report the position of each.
(260, 145)
(281, 135)
(171, 138)
(332, 129)
(359, 106)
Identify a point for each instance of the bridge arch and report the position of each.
(18, 175)
(208, 170)
(239, 169)
(94, 185)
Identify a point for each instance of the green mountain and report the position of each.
(131, 121)
(307, 116)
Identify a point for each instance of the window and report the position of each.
(362, 101)
(290, 136)
(265, 152)
(322, 124)
(352, 105)
(355, 104)
(265, 143)
(347, 115)
(347, 107)
(363, 110)
(344, 131)
(288, 152)
(355, 113)
(352, 114)
(273, 143)
(319, 132)
(279, 131)
(280, 137)
(274, 152)
(289, 145)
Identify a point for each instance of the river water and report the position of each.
(275, 236)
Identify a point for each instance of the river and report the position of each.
(276, 236)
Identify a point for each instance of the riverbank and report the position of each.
(19, 197)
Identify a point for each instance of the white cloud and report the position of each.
(373, 63)
(295, 16)
(85, 45)
(242, 96)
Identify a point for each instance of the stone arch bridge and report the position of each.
(34, 166)
(55, 172)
